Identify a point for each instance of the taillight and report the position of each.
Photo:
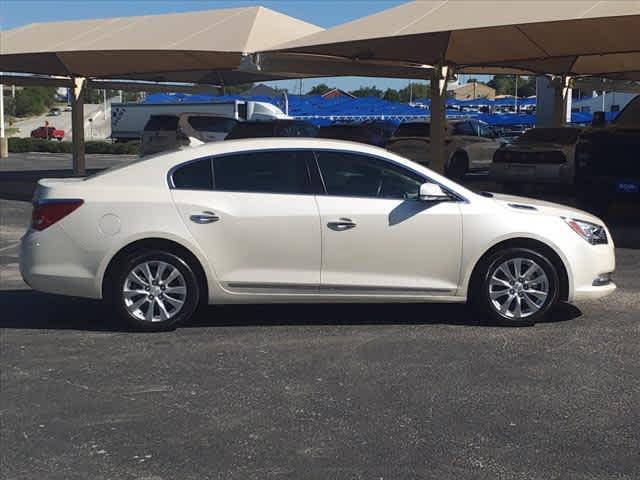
(48, 212)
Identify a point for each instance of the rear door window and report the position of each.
(276, 171)
(194, 176)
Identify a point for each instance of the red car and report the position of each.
(48, 133)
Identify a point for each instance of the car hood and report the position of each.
(534, 206)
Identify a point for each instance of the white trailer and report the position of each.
(128, 119)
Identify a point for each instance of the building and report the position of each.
(336, 93)
(471, 91)
(609, 102)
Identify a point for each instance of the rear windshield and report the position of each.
(212, 124)
(630, 115)
(343, 132)
(162, 123)
(272, 129)
(415, 129)
(251, 130)
(563, 136)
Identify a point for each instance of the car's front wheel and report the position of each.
(518, 287)
(154, 290)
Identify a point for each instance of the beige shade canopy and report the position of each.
(198, 47)
(573, 37)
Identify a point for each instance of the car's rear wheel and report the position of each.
(518, 287)
(154, 291)
(458, 166)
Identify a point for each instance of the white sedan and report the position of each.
(304, 220)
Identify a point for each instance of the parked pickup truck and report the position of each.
(48, 133)
(608, 160)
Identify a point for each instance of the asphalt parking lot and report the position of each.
(314, 392)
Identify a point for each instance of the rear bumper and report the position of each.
(533, 173)
(51, 262)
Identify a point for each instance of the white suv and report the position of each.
(304, 220)
(470, 145)
(168, 132)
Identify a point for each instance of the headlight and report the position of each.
(592, 233)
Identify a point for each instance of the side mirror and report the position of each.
(598, 120)
(432, 192)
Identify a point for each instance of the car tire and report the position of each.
(154, 291)
(458, 166)
(516, 287)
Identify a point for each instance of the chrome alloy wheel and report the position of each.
(518, 288)
(154, 291)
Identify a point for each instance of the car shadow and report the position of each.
(408, 209)
(28, 309)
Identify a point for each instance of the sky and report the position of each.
(325, 13)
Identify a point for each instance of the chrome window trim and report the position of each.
(456, 196)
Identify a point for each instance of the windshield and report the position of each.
(630, 115)
(414, 129)
(563, 136)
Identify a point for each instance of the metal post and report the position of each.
(104, 99)
(515, 97)
(562, 91)
(1, 110)
(438, 86)
(77, 125)
(4, 147)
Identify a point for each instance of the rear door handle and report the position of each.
(204, 217)
(342, 224)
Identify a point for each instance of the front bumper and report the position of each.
(589, 263)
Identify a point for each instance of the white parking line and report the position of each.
(9, 247)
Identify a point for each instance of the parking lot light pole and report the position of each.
(438, 85)
(77, 125)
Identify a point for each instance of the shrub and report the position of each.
(23, 145)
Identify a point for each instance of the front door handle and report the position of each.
(342, 224)
(204, 217)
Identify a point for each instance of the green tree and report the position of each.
(319, 89)
(506, 85)
(237, 89)
(391, 95)
(34, 100)
(367, 92)
(414, 91)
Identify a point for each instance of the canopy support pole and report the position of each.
(4, 149)
(562, 106)
(438, 85)
(77, 125)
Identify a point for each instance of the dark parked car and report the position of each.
(607, 164)
(370, 133)
(273, 128)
